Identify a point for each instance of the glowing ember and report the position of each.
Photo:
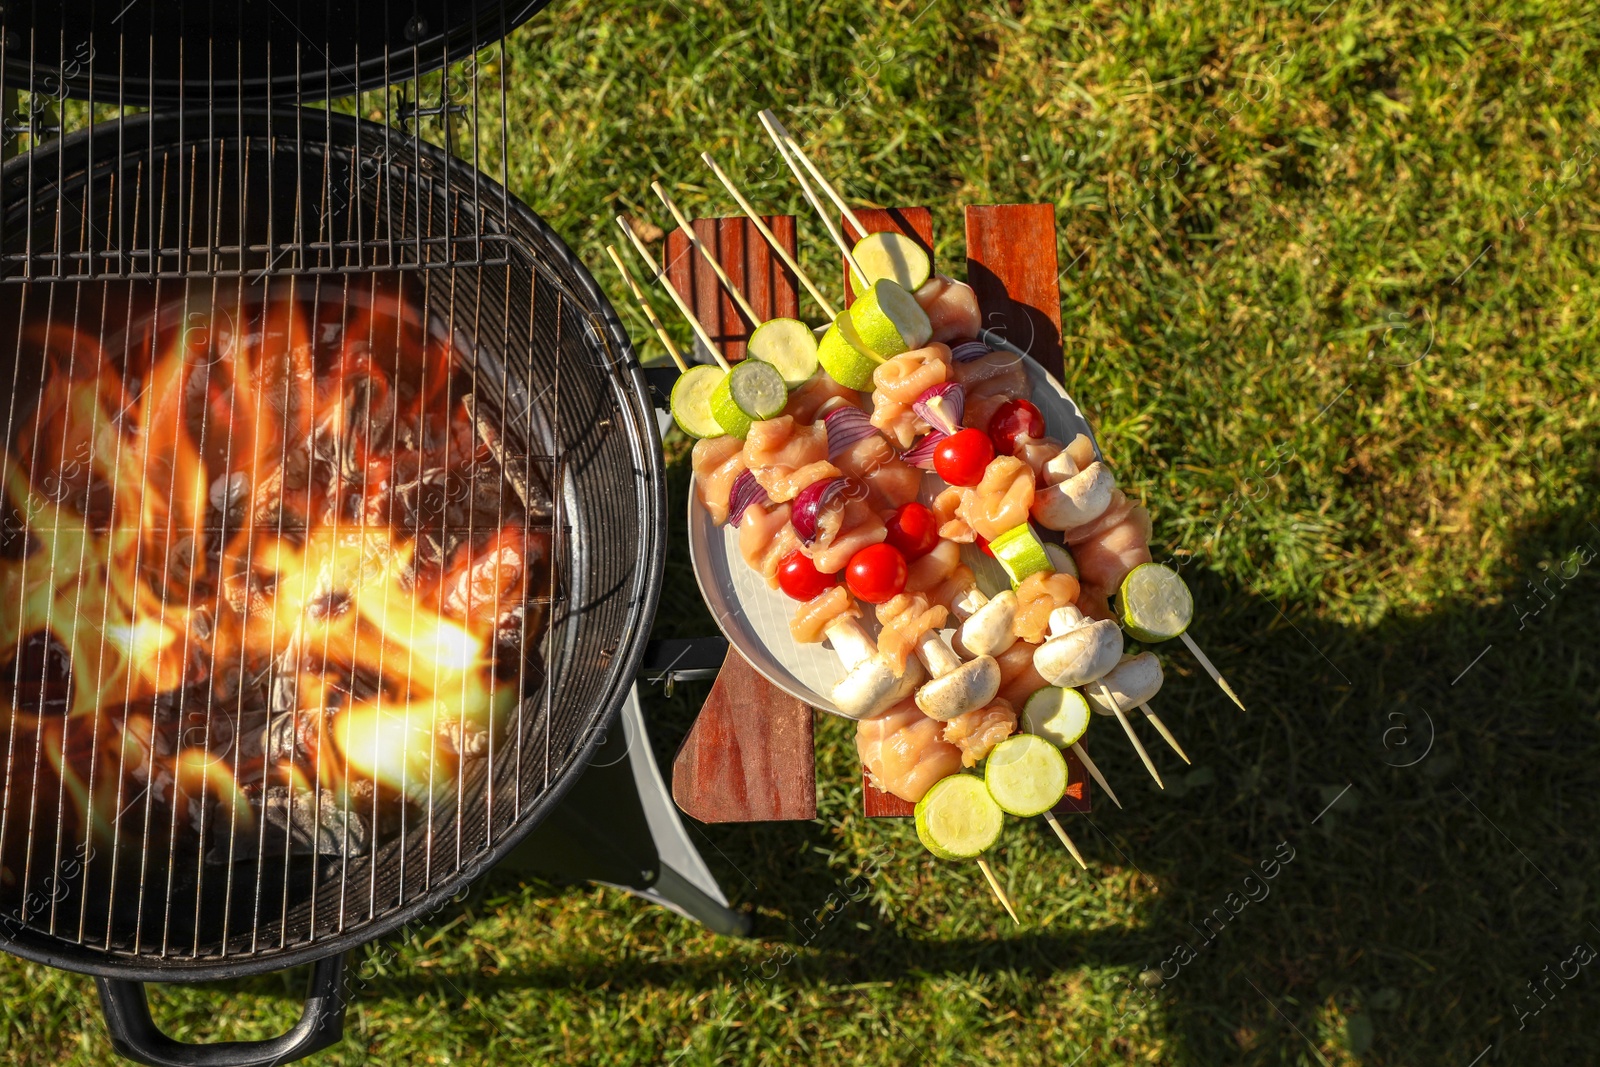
(251, 548)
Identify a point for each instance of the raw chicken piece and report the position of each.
(980, 411)
(813, 617)
(1018, 678)
(815, 391)
(978, 731)
(905, 618)
(903, 751)
(717, 461)
(898, 383)
(999, 502)
(1039, 594)
(946, 508)
(765, 537)
(890, 480)
(952, 308)
(1105, 560)
(992, 374)
(786, 456)
(1036, 452)
(940, 574)
(1119, 509)
(845, 527)
(1095, 604)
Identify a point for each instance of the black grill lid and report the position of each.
(149, 52)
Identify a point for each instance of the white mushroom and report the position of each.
(1079, 650)
(957, 687)
(1132, 682)
(871, 682)
(986, 627)
(1074, 499)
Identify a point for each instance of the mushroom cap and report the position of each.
(987, 631)
(1080, 656)
(969, 686)
(1080, 499)
(1132, 682)
(872, 685)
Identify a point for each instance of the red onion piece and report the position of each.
(967, 351)
(746, 491)
(808, 506)
(921, 454)
(847, 425)
(941, 406)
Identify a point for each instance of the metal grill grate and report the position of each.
(147, 227)
(413, 69)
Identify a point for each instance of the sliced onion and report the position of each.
(921, 455)
(847, 425)
(746, 491)
(944, 416)
(967, 351)
(808, 506)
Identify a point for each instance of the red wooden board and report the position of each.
(750, 756)
(1012, 266)
(915, 222)
(771, 287)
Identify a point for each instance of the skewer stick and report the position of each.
(1161, 728)
(677, 298)
(1127, 728)
(827, 186)
(1211, 669)
(816, 205)
(772, 239)
(649, 312)
(1055, 824)
(1094, 772)
(1000, 894)
(699, 246)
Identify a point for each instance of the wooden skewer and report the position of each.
(772, 239)
(1094, 772)
(699, 246)
(811, 197)
(1127, 728)
(1166, 734)
(677, 299)
(1211, 669)
(1000, 894)
(1055, 824)
(649, 312)
(827, 186)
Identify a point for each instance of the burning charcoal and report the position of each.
(466, 739)
(228, 492)
(314, 823)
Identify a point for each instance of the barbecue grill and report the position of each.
(291, 367)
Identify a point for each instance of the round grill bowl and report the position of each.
(322, 201)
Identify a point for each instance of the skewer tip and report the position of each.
(1000, 894)
(1061, 832)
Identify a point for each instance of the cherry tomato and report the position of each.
(913, 530)
(799, 578)
(983, 543)
(961, 458)
(1011, 420)
(876, 573)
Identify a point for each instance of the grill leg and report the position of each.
(135, 1035)
(619, 826)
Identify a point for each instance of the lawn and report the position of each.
(1330, 301)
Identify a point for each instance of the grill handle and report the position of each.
(135, 1035)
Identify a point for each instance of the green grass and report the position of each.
(1344, 343)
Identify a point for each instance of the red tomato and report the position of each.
(799, 578)
(876, 573)
(913, 530)
(1011, 420)
(961, 458)
(983, 543)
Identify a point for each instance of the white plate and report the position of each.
(756, 618)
